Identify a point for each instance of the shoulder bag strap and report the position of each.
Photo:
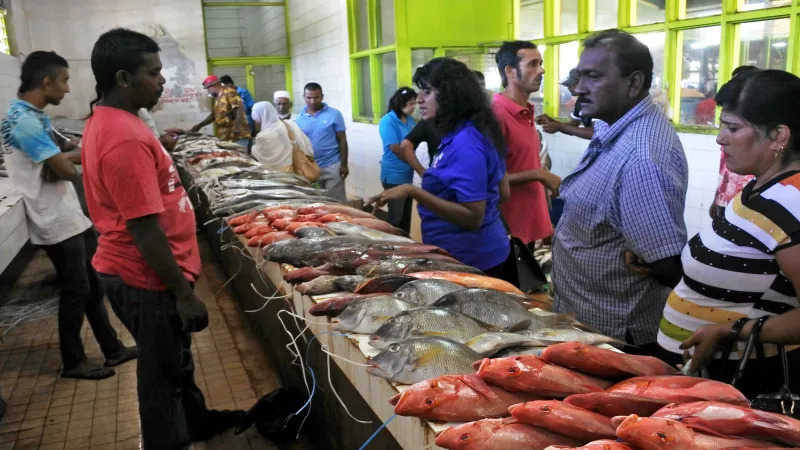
(748, 350)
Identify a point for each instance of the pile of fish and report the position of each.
(578, 396)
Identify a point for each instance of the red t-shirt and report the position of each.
(526, 211)
(127, 174)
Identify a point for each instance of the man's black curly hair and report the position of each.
(460, 98)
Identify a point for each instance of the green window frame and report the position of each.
(249, 62)
(5, 41)
(733, 13)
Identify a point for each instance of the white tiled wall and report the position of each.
(9, 81)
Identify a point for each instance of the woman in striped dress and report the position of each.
(747, 264)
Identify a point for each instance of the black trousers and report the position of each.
(81, 294)
(170, 402)
(399, 211)
(507, 270)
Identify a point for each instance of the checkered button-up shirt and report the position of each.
(627, 193)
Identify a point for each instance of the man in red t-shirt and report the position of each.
(147, 256)
(527, 214)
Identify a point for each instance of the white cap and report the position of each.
(281, 94)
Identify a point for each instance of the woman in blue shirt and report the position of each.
(458, 202)
(394, 126)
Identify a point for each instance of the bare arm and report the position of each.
(61, 164)
(571, 129)
(405, 151)
(505, 189)
(465, 215)
(667, 271)
(341, 136)
(207, 121)
(550, 180)
(782, 329)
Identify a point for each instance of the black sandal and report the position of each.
(88, 371)
(125, 355)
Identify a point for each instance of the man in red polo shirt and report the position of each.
(520, 66)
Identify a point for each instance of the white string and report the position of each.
(297, 357)
(330, 383)
(274, 296)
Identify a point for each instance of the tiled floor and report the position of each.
(48, 412)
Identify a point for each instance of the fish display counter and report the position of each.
(394, 344)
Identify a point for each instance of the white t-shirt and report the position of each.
(52, 208)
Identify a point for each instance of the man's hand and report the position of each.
(636, 265)
(548, 124)
(551, 181)
(193, 314)
(168, 140)
(196, 128)
(344, 172)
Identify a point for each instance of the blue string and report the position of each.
(311, 371)
(375, 434)
(222, 230)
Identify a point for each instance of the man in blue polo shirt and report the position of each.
(324, 126)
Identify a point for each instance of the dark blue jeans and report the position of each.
(80, 294)
(169, 400)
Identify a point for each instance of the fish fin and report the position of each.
(479, 386)
(521, 326)
(702, 429)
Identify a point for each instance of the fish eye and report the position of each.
(662, 436)
(514, 369)
(546, 408)
(465, 437)
(394, 347)
(429, 401)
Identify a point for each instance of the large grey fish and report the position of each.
(309, 232)
(415, 360)
(318, 286)
(316, 251)
(349, 283)
(367, 315)
(569, 334)
(426, 321)
(358, 230)
(425, 292)
(412, 265)
(519, 351)
(494, 308)
(487, 344)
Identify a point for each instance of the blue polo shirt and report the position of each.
(321, 130)
(248, 101)
(466, 169)
(393, 131)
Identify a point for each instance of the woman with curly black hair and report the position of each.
(458, 201)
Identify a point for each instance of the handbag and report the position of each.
(782, 402)
(302, 164)
(530, 275)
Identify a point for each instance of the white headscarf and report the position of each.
(265, 114)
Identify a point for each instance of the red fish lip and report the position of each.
(395, 399)
(481, 365)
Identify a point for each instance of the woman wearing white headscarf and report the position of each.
(273, 144)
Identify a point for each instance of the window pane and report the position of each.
(569, 16)
(699, 77)
(420, 56)
(268, 79)
(648, 12)
(605, 14)
(750, 5)
(531, 20)
(245, 31)
(365, 88)
(238, 73)
(386, 22)
(388, 76)
(362, 24)
(764, 44)
(655, 42)
(568, 59)
(703, 8)
(482, 61)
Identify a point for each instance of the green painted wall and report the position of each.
(458, 23)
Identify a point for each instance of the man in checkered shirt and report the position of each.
(616, 255)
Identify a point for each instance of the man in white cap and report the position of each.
(283, 103)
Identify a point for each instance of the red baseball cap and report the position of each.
(210, 81)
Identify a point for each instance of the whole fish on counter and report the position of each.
(494, 308)
(612, 404)
(314, 251)
(500, 434)
(336, 208)
(734, 421)
(560, 417)
(602, 444)
(306, 274)
(385, 284)
(426, 321)
(335, 305)
(416, 360)
(536, 376)
(518, 351)
(492, 342)
(345, 228)
(605, 363)
(456, 398)
(367, 315)
(269, 238)
(470, 280)
(661, 434)
(681, 389)
(559, 334)
(411, 265)
(350, 282)
(319, 286)
(425, 292)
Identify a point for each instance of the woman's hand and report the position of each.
(705, 342)
(396, 193)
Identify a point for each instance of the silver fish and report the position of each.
(358, 230)
(425, 292)
(519, 351)
(411, 265)
(349, 283)
(569, 334)
(494, 308)
(318, 286)
(367, 315)
(487, 344)
(415, 360)
(426, 321)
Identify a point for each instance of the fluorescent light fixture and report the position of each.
(780, 44)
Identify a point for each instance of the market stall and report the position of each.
(337, 298)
